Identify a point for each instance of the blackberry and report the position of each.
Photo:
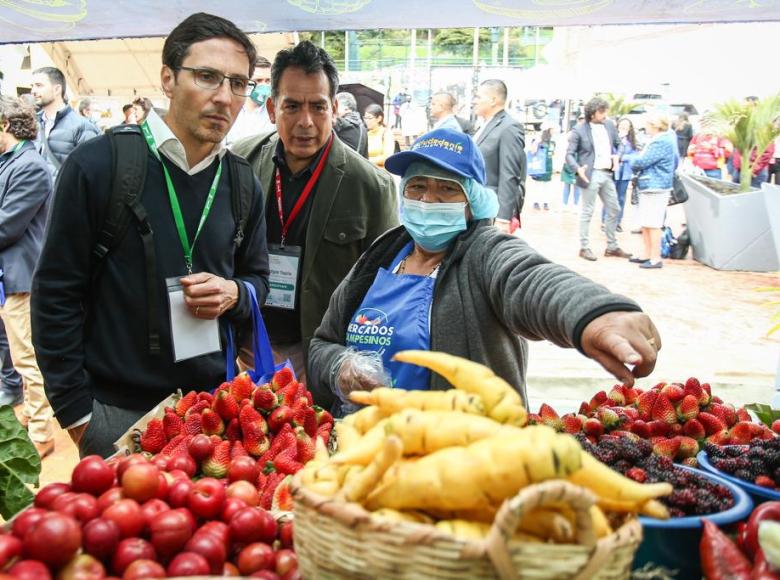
(757, 453)
(744, 474)
(734, 450)
(713, 450)
(622, 466)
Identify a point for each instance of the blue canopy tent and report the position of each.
(23, 21)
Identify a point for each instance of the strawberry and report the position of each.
(237, 450)
(271, 482)
(741, 433)
(717, 400)
(776, 426)
(571, 424)
(726, 413)
(196, 409)
(284, 439)
(765, 481)
(658, 428)
(304, 446)
(186, 402)
(693, 428)
(206, 396)
(282, 498)
(637, 474)
(216, 465)
(631, 395)
(629, 413)
(674, 392)
(767, 434)
(286, 395)
(264, 399)
(608, 418)
(261, 479)
(193, 424)
(323, 432)
(222, 387)
(282, 378)
(323, 416)
(598, 399)
(593, 427)
(307, 418)
(689, 447)
(286, 462)
(255, 440)
(659, 386)
(226, 405)
(211, 423)
(640, 428)
(719, 438)
(743, 415)
(241, 387)
(690, 462)
(663, 410)
(550, 417)
(644, 404)
(688, 408)
(625, 435)
(584, 409)
(249, 415)
(676, 429)
(534, 419)
(172, 424)
(171, 445)
(233, 430)
(153, 437)
(692, 387)
(618, 395)
(711, 423)
(667, 447)
(707, 388)
(279, 417)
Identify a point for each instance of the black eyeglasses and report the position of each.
(207, 78)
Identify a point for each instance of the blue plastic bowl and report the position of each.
(757, 493)
(674, 543)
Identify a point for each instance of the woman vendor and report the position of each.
(447, 280)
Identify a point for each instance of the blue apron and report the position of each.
(394, 316)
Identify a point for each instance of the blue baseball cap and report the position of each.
(451, 150)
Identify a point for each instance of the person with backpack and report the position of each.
(156, 234)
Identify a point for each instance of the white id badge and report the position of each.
(191, 336)
(283, 280)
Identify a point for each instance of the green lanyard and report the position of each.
(175, 207)
(18, 146)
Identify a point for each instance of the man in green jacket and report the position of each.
(325, 204)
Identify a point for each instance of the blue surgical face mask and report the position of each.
(260, 93)
(433, 225)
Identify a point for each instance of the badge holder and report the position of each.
(261, 347)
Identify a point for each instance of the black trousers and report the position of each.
(107, 424)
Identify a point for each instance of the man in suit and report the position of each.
(443, 112)
(501, 140)
(325, 203)
(25, 189)
(594, 153)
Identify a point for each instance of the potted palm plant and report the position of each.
(730, 225)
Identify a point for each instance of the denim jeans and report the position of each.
(714, 173)
(601, 185)
(621, 186)
(567, 189)
(756, 180)
(11, 380)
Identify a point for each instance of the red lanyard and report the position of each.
(304, 194)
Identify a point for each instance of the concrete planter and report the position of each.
(772, 203)
(730, 230)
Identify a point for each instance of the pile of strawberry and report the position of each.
(676, 418)
(241, 431)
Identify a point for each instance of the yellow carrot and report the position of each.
(547, 524)
(502, 402)
(405, 516)
(392, 401)
(364, 419)
(357, 487)
(609, 484)
(346, 435)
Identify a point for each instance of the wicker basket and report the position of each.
(336, 540)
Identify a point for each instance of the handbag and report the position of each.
(679, 193)
(536, 163)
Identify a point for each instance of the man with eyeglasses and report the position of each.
(115, 337)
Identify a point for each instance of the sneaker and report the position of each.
(11, 398)
(536, 206)
(638, 260)
(616, 253)
(546, 207)
(649, 264)
(586, 254)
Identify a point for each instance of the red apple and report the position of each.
(109, 498)
(200, 447)
(10, 549)
(179, 491)
(82, 567)
(125, 463)
(254, 557)
(128, 516)
(178, 474)
(92, 475)
(219, 530)
(232, 506)
(83, 507)
(250, 525)
(53, 540)
(230, 570)
(162, 486)
(128, 551)
(48, 493)
(207, 498)
(152, 508)
(101, 537)
(286, 561)
(211, 548)
(141, 569)
(26, 520)
(29, 570)
(245, 491)
(265, 574)
(292, 575)
(161, 461)
(61, 501)
(183, 462)
(286, 534)
(141, 481)
(243, 468)
(188, 564)
(190, 518)
(169, 532)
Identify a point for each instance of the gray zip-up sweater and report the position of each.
(493, 292)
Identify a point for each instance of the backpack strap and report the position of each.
(129, 154)
(242, 188)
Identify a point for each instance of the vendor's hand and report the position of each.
(209, 296)
(502, 225)
(350, 379)
(77, 433)
(582, 172)
(619, 340)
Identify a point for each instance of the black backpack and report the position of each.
(129, 157)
